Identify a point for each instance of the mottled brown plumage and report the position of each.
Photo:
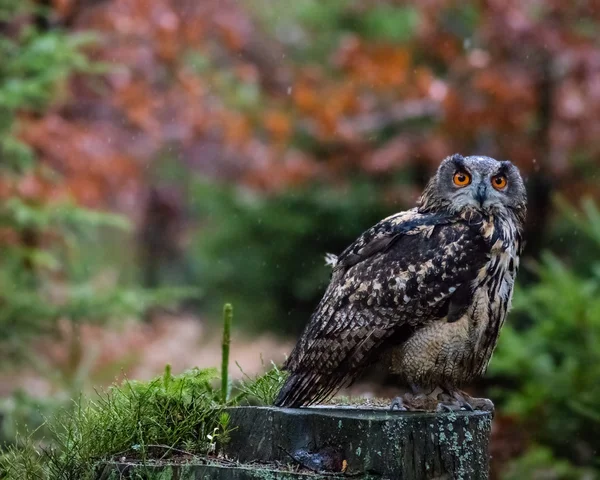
(423, 293)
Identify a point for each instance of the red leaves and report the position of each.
(92, 166)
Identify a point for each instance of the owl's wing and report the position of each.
(399, 275)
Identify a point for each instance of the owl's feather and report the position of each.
(405, 272)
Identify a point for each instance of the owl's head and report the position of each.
(476, 183)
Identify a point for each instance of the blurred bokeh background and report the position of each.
(161, 157)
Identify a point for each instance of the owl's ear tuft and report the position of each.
(458, 160)
(505, 167)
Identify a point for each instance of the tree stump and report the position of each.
(325, 442)
(389, 444)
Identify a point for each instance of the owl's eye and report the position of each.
(461, 179)
(499, 182)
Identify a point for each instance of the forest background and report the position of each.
(159, 158)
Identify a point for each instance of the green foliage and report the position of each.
(324, 24)
(33, 290)
(266, 254)
(136, 420)
(462, 20)
(263, 389)
(46, 276)
(540, 464)
(35, 67)
(392, 23)
(21, 413)
(35, 64)
(553, 358)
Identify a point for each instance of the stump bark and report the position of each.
(399, 445)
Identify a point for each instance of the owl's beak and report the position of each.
(481, 193)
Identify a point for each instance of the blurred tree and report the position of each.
(47, 284)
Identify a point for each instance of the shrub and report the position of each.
(550, 354)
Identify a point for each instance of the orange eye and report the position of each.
(499, 182)
(461, 179)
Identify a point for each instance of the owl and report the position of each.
(423, 294)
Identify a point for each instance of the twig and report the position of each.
(172, 449)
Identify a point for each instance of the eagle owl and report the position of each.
(423, 293)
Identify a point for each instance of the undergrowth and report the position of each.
(261, 390)
(142, 421)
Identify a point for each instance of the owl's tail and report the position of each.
(307, 388)
(287, 396)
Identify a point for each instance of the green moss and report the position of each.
(137, 420)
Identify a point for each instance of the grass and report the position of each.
(142, 421)
(261, 390)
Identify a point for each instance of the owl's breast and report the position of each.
(447, 352)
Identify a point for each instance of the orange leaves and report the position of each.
(237, 129)
(278, 125)
(63, 7)
(512, 90)
(494, 102)
(306, 97)
(336, 104)
(378, 66)
(393, 154)
(167, 34)
(230, 31)
(139, 103)
(326, 104)
(88, 157)
(282, 172)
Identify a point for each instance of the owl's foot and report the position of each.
(414, 403)
(455, 401)
(484, 404)
(440, 400)
(398, 404)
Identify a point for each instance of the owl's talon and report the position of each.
(446, 407)
(483, 404)
(398, 405)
